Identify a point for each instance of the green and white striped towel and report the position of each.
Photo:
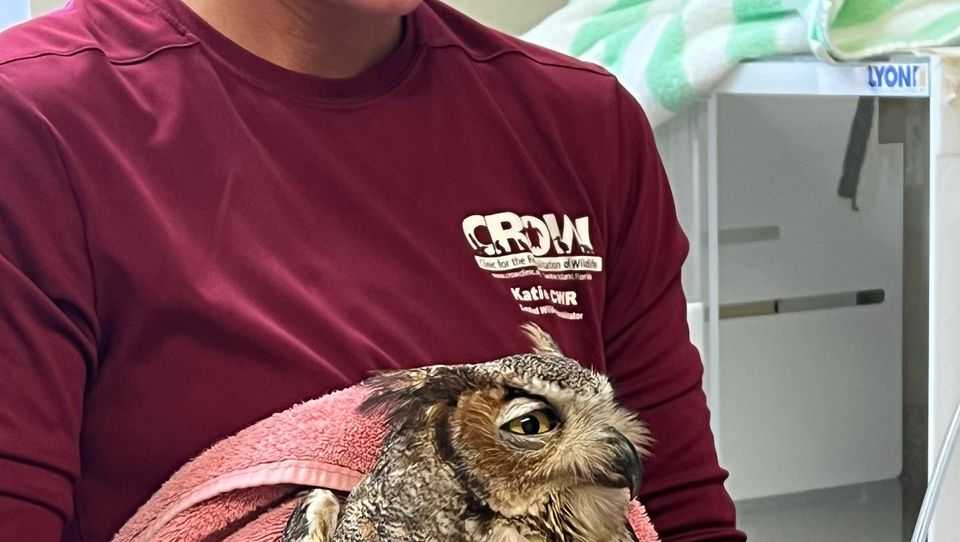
(669, 53)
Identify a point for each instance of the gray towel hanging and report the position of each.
(856, 151)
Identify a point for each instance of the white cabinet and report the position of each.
(818, 390)
(797, 294)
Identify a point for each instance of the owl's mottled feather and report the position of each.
(527, 448)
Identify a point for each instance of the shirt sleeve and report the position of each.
(47, 326)
(655, 368)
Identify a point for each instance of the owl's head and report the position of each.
(527, 435)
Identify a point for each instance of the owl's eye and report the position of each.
(537, 422)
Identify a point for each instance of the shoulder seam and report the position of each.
(494, 56)
(87, 48)
(64, 53)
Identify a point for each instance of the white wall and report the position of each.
(12, 12)
(39, 7)
(513, 16)
(945, 289)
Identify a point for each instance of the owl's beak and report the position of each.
(627, 470)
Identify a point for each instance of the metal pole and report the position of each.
(932, 494)
(713, 269)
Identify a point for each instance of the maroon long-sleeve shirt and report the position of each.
(192, 238)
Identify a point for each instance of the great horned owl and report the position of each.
(527, 448)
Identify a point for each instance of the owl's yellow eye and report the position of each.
(537, 422)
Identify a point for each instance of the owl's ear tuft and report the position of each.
(542, 342)
(405, 396)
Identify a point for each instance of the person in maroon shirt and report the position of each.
(213, 209)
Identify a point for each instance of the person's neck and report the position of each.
(306, 36)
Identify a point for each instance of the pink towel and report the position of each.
(242, 489)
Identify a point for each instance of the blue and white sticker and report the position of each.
(897, 79)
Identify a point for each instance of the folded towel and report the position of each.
(857, 29)
(670, 53)
(244, 487)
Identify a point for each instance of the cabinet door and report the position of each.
(810, 385)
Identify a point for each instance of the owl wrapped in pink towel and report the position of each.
(527, 448)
